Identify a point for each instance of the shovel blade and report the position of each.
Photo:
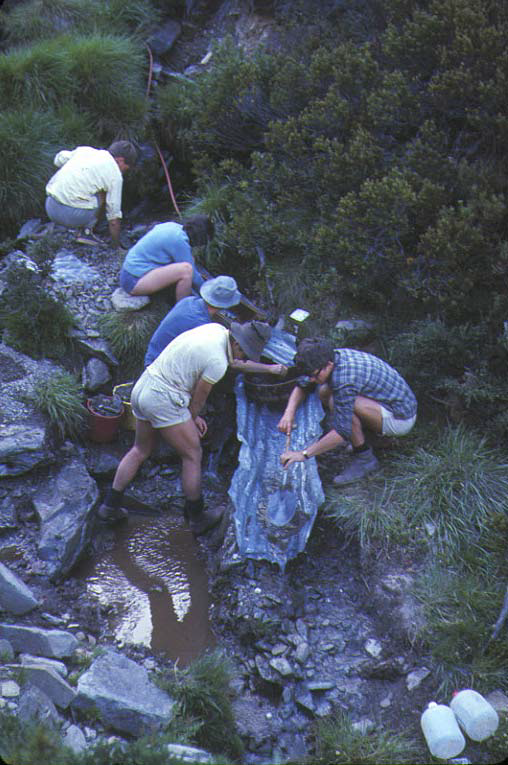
(281, 507)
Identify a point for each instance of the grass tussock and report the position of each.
(204, 695)
(60, 398)
(128, 333)
(337, 741)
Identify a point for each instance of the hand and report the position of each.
(201, 426)
(285, 424)
(287, 458)
(279, 369)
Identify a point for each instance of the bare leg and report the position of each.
(367, 413)
(179, 274)
(142, 448)
(184, 438)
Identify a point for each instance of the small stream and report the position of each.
(155, 587)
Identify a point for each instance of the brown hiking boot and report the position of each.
(205, 520)
(109, 514)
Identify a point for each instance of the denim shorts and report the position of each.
(128, 281)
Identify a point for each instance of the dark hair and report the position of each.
(124, 149)
(199, 229)
(314, 353)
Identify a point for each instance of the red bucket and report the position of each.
(102, 428)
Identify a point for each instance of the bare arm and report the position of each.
(114, 230)
(329, 441)
(285, 424)
(200, 394)
(256, 366)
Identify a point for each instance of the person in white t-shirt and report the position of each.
(168, 398)
(89, 182)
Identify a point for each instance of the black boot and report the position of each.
(199, 518)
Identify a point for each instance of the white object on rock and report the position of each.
(441, 731)
(477, 718)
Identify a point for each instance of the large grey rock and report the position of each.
(121, 691)
(15, 596)
(49, 681)
(75, 739)
(8, 515)
(165, 37)
(64, 506)
(22, 448)
(35, 707)
(95, 375)
(122, 301)
(189, 754)
(56, 644)
(98, 348)
(27, 659)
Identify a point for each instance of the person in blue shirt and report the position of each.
(193, 311)
(163, 257)
(361, 392)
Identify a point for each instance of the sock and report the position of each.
(362, 448)
(193, 507)
(113, 497)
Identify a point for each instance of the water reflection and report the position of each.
(157, 588)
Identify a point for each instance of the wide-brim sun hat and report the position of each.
(251, 337)
(221, 292)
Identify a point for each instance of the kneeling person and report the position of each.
(362, 392)
(168, 398)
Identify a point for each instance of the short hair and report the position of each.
(314, 353)
(199, 229)
(124, 149)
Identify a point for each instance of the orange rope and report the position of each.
(164, 165)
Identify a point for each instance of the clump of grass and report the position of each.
(37, 323)
(337, 741)
(460, 608)
(29, 141)
(128, 333)
(60, 397)
(204, 695)
(41, 19)
(442, 494)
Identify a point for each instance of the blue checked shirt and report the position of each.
(358, 373)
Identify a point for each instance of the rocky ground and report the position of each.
(333, 631)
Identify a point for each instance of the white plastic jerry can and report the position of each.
(441, 731)
(477, 718)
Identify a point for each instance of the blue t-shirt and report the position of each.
(188, 313)
(165, 243)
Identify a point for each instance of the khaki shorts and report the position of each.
(394, 427)
(159, 406)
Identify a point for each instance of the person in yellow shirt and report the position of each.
(89, 181)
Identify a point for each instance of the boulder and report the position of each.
(122, 693)
(22, 448)
(122, 301)
(55, 644)
(15, 596)
(64, 506)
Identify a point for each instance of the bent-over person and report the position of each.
(361, 392)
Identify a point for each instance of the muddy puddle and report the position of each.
(155, 588)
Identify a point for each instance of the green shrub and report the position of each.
(36, 323)
(60, 397)
(337, 741)
(203, 693)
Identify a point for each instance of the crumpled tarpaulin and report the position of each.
(259, 496)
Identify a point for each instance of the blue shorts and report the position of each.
(128, 281)
(72, 217)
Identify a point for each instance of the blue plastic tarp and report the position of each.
(273, 516)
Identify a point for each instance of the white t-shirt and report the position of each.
(200, 353)
(83, 173)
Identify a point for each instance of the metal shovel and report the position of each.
(282, 504)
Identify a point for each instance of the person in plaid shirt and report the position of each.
(361, 392)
